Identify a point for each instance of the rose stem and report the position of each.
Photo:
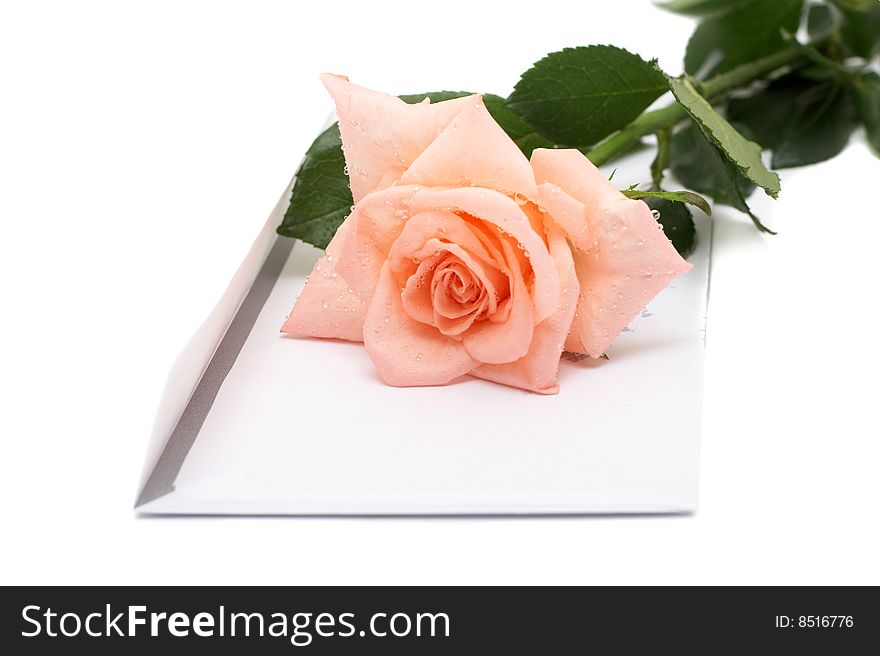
(669, 116)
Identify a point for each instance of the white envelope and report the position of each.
(256, 423)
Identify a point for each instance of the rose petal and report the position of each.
(438, 224)
(571, 170)
(496, 343)
(473, 151)
(622, 258)
(499, 210)
(327, 307)
(450, 316)
(376, 223)
(488, 276)
(382, 134)
(430, 301)
(488, 273)
(538, 369)
(416, 295)
(453, 326)
(568, 213)
(405, 351)
(448, 309)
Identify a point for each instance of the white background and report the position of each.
(142, 146)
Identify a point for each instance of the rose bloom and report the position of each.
(461, 256)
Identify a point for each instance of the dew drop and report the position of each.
(656, 214)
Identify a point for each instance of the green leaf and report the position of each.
(748, 32)
(677, 222)
(856, 5)
(835, 68)
(700, 166)
(688, 197)
(820, 21)
(744, 154)
(321, 197)
(700, 7)
(861, 26)
(577, 96)
(868, 89)
(522, 133)
(822, 119)
(767, 111)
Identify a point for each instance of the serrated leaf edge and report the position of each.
(707, 130)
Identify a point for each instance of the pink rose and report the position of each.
(461, 256)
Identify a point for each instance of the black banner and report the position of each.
(104, 620)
